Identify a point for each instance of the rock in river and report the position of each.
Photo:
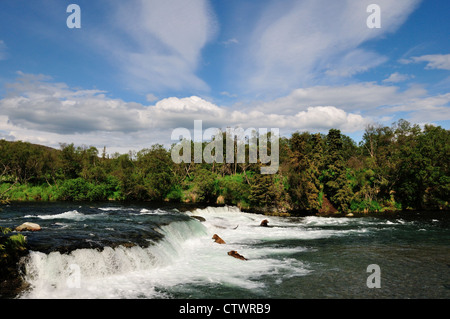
(28, 226)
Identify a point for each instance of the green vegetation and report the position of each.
(392, 168)
(12, 247)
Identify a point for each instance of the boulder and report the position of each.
(28, 227)
(235, 254)
(217, 239)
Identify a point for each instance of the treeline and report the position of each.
(394, 167)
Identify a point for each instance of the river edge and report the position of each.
(268, 211)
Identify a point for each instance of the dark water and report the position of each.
(114, 250)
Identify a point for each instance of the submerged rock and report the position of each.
(28, 227)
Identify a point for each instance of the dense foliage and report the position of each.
(396, 167)
(12, 247)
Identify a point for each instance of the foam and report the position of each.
(186, 256)
(72, 214)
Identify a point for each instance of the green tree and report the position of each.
(155, 167)
(434, 144)
(305, 159)
(422, 176)
(12, 247)
(337, 184)
(70, 161)
(409, 173)
(205, 185)
(262, 191)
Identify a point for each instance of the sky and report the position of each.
(135, 70)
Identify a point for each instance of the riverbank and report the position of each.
(184, 206)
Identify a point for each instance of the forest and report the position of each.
(397, 167)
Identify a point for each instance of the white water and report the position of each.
(72, 214)
(186, 256)
(303, 257)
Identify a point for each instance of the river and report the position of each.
(118, 250)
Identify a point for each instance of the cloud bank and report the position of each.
(35, 103)
(40, 110)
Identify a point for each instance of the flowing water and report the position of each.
(116, 250)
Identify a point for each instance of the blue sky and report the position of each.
(138, 69)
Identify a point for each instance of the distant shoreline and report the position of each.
(183, 207)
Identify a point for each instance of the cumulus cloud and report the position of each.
(175, 112)
(315, 119)
(360, 103)
(40, 110)
(35, 103)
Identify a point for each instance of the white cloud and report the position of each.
(434, 61)
(151, 97)
(427, 109)
(397, 77)
(41, 111)
(360, 97)
(378, 103)
(157, 44)
(315, 119)
(295, 42)
(228, 94)
(35, 103)
(354, 62)
(38, 110)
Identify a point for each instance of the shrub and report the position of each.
(205, 185)
(234, 188)
(12, 247)
(176, 194)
